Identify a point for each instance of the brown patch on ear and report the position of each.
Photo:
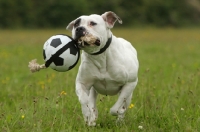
(110, 18)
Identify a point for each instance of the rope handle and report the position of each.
(35, 67)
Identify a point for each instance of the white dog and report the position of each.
(109, 65)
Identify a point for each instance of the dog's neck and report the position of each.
(104, 48)
(99, 57)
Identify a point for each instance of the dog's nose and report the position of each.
(80, 30)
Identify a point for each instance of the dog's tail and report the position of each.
(34, 66)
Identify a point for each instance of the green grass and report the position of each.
(166, 99)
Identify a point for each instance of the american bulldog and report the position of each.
(109, 65)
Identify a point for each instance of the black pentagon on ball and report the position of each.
(58, 61)
(55, 42)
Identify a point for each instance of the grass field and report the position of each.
(166, 99)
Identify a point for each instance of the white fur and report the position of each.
(115, 71)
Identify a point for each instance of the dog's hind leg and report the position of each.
(124, 100)
(88, 104)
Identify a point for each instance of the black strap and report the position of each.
(59, 52)
(104, 48)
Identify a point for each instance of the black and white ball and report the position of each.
(60, 53)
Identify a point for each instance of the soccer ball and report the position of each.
(60, 53)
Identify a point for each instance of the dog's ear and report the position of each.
(70, 26)
(110, 18)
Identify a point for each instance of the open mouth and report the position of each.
(88, 41)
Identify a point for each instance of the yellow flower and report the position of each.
(63, 93)
(131, 106)
(6, 80)
(23, 116)
(4, 54)
(49, 80)
(52, 76)
(41, 84)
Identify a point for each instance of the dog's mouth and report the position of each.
(88, 40)
(84, 43)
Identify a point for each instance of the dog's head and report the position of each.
(92, 32)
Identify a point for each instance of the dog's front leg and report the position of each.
(87, 98)
(124, 100)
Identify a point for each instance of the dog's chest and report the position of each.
(109, 77)
(107, 85)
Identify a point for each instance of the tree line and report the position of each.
(58, 13)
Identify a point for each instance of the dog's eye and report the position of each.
(77, 22)
(76, 25)
(93, 23)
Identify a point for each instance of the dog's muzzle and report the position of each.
(83, 38)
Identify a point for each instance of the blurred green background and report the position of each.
(165, 34)
(58, 13)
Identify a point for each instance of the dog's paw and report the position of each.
(120, 120)
(91, 124)
(91, 120)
